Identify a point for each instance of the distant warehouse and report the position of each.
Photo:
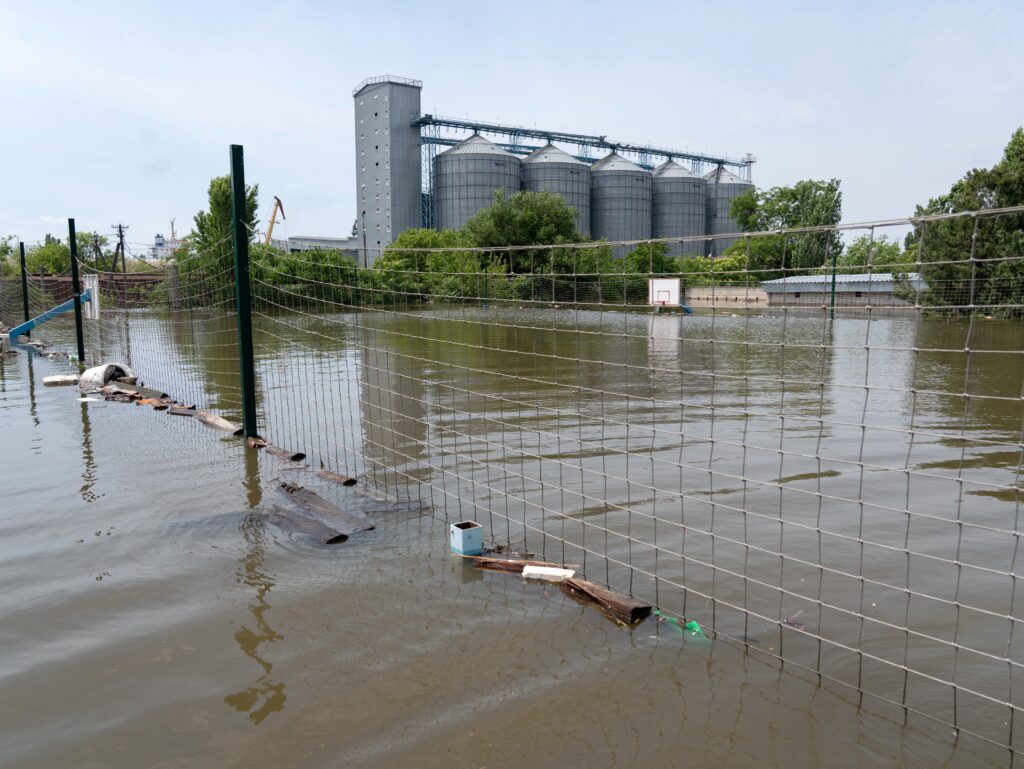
(878, 289)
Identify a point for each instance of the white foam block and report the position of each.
(549, 573)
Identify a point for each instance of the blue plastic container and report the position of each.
(467, 538)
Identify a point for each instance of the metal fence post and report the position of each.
(24, 285)
(244, 302)
(76, 288)
(832, 298)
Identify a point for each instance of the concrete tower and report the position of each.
(387, 160)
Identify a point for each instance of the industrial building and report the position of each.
(417, 170)
(879, 289)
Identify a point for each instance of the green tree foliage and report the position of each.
(52, 255)
(808, 203)
(405, 274)
(207, 255)
(9, 266)
(995, 277)
(730, 269)
(524, 219)
(308, 278)
(880, 253)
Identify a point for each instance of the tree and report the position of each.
(8, 257)
(524, 219)
(880, 253)
(403, 270)
(213, 227)
(808, 203)
(51, 255)
(205, 260)
(945, 248)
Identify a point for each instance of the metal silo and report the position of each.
(680, 208)
(620, 201)
(552, 170)
(466, 178)
(723, 187)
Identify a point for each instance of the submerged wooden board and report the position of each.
(344, 480)
(331, 515)
(60, 380)
(217, 422)
(509, 565)
(291, 456)
(620, 607)
(290, 521)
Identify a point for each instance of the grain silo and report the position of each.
(723, 187)
(620, 201)
(549, 169)
(466, 178)
(679, 205)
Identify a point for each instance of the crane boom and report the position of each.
(278, 206)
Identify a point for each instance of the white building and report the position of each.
(164, 248)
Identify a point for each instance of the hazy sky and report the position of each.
(121, 112)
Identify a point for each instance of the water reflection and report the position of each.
(394, 410)
(265, 696)
(32, 409)
(88, 459)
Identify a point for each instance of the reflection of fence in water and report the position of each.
(841, 494)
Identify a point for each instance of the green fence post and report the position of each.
(244, 303)
(76, 287)
(24, 285)
(832, 298)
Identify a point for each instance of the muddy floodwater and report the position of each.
(153, 614)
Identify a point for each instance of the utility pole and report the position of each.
(96, 252)
(124, 264)
(120, 246)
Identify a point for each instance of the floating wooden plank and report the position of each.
(622, 608)
(508, 565)
(290, 521)
(149, 392)
(344, 480)
(217, 422)
(291, 456)
(181, 411)
(60, 380)
(332, 515)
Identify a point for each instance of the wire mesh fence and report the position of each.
(818, 460)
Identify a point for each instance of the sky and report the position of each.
(122, 112)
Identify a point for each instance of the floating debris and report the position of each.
(509, 550)
(691, 628)
(99, 376)
(60, 380)
(344, 480)
(793, 622)
(217, 422)
(346, 523)
(511, 566)
(621, 608)
(291, 456)
(547, 573)
(290, 521)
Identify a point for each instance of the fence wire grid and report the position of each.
(826, 470)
